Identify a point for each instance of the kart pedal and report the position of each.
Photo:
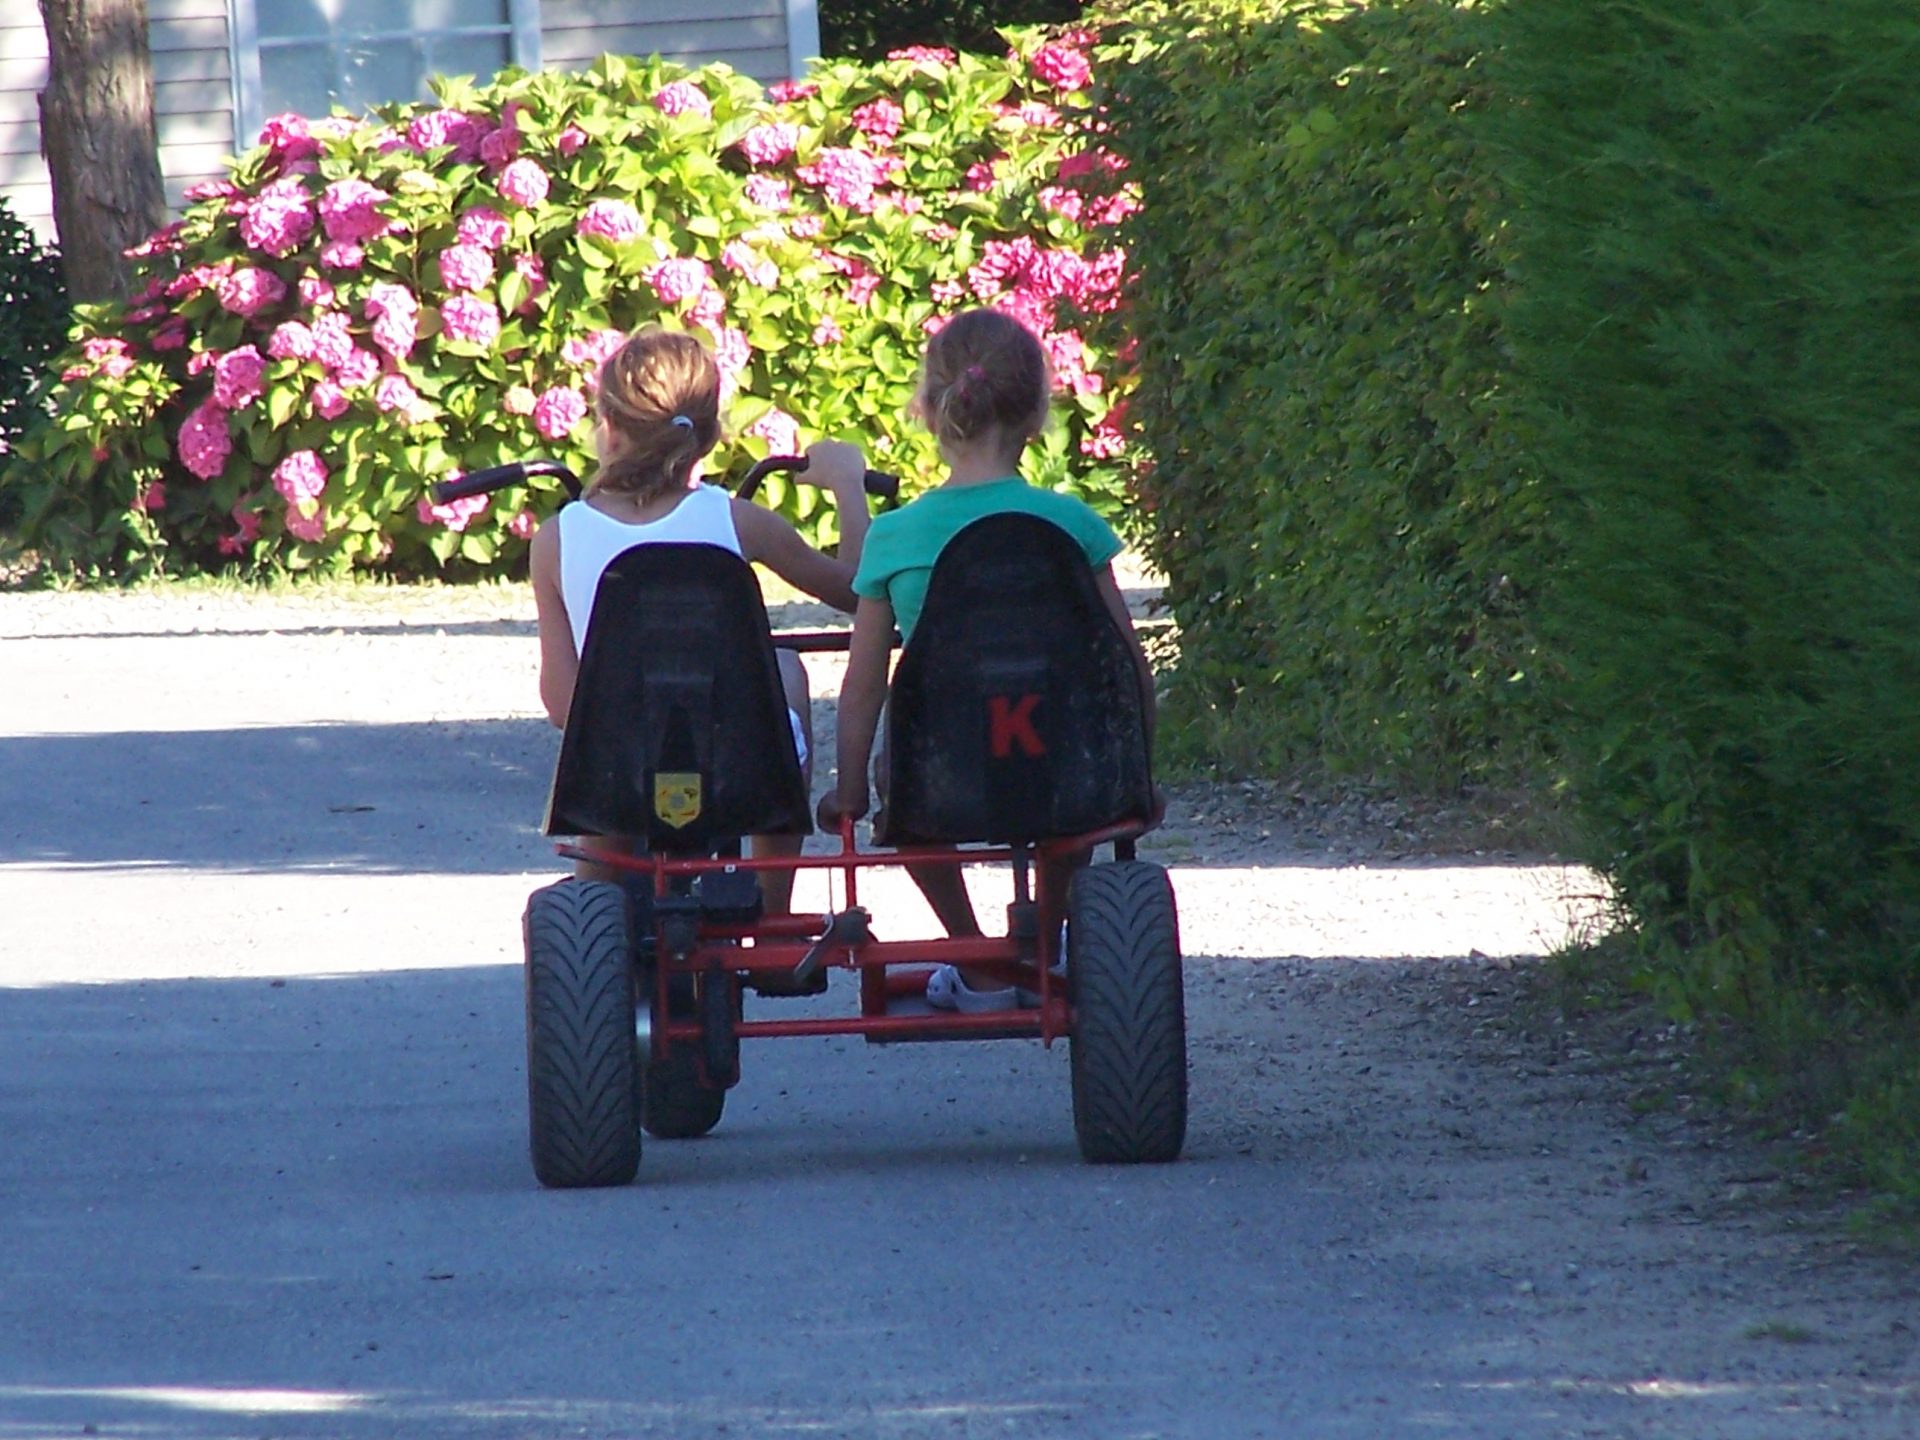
(848, 927)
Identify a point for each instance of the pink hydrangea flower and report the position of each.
(1038, 115)
(350, 211)
(518, 400)
(210, 190)
(1068, 355)
(328, 400)
(249, 290)
(307, 523)
(768, 191)
(455, 514)
(449, 127)
(947, 292)
(828, 332)
(923, 54)
(1001, 261)
(396, 318)
(847, 177)
(770, 144)
(469, 318)
(238, 377)
(881, 119)
(395, 393)
(342, 255)
(681, 97)
(278, 219)
(731, 353)
(466, 267)
(204, 442)
(708, 308)
(332, 342)
(785, 92)
(558, 411)
(611, 220)
(980, 177)
(780, 430)
(153, 498)
(1090, 162)
(805, 227)
(315, 293)
(499, 147)
(359, 368)
(170, 336)
(247, 523)
(300, 477)
(523, 183)
(677, 280)
(481, 226)
(1061, 66)
(571, 141)
(522, 526)
(291, 340)
(739, 256)
(593, 350)
(1062, 201)
(289, 138)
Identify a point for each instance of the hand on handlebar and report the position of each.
(835, 804)
(834, 465)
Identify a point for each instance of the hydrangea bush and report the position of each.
(370, 304)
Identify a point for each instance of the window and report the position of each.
(308, 56)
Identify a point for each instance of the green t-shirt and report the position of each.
(903, 544)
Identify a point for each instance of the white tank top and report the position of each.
(590, 539)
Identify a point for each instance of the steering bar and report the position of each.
(878, 483)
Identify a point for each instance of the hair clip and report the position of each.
(683, 422)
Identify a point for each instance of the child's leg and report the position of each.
(777, 885)
(945, 891)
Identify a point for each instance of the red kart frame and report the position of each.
(781, 944)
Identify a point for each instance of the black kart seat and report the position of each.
(678, 731)
(1016, 711)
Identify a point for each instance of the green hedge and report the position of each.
(33, 321)
(869, 29)
(1352, 535)
(1719, 322)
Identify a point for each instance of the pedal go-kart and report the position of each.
(1017, 735)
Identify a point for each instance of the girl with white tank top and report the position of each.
(658, 413)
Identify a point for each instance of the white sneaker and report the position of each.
(946, 990)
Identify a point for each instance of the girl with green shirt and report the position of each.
(984, 389)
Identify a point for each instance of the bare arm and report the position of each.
(862, 693)
(559, 664)
(768, 538)
(840, 469)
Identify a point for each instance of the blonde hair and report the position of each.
(659, 399)
(983, 371)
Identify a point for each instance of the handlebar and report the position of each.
(878, 483)
(484, 482)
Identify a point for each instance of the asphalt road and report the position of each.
(264, 1168)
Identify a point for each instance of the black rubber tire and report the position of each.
(1129, 1045)
(676, 1106)
(583, 1063)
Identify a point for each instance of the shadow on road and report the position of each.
(461, 796)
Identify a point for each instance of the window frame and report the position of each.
(243, 30)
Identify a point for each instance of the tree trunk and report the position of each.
(97, 133)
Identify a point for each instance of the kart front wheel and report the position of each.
(1129, 1046)
(583, 1074)
(676, 1105)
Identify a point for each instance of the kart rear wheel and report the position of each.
(1129, 1046)
(675, 1105)
(583, 1073)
